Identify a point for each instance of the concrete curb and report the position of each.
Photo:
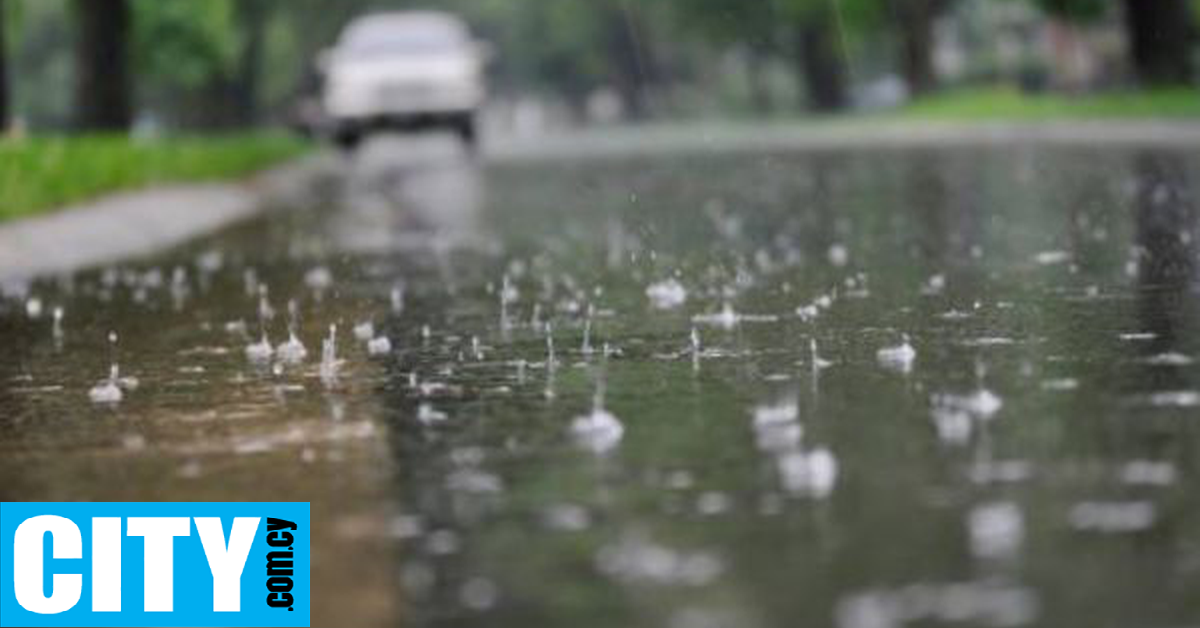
(735, 137)
(140, 222)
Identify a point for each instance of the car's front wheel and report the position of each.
(347, 139)
(466, 129)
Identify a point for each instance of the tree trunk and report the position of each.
(1159, 33)
(822, 67)
(630, 58)
(761, 99)
(252, 15)
(4, 98)
(102, 78)
(915, 21)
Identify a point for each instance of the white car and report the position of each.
(401, 71)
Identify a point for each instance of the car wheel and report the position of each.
(465, 127)
(347, 140)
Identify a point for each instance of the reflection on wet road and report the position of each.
(910, 387)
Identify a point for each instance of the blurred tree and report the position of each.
(1160, 34)
(1066, 40)
(102, 77)
(186, 52)
(252, 18)
(753, 26)
(1075, 10)
(819, 48)
(572, 48)
(630, 56)
(914, 21)
(4, 106)
(41, 48)
(292, 34)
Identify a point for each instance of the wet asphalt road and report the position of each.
(920, 385)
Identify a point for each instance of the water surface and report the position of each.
(1032, 464)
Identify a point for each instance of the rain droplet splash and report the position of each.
(667, 294)
(598, 430)
(898, 358)
(292, 351)
(329, 360)
(111, 390)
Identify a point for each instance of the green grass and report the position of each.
(42, 173)
(1011, 104)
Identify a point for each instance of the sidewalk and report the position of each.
(140, 222)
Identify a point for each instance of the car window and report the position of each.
(387, 37)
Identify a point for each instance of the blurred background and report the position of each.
(153, 66)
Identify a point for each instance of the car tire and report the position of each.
(347, 140)
(467, 132)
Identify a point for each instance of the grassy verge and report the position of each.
(1012, 104)
(42, 173)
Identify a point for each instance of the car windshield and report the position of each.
(403, 36)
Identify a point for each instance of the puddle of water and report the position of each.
(951, 386)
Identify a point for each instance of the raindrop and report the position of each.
(566, 517)
(1147, 473)
(817, 361)
(996, 529)
(667, 294)
(379, 345)
(1113, 517)
(57, 330)
(897, 358)
(106, 391)
(427, 414)
(934, 285)
(598, 430)
(808, 473)
(292, 351)
(727, 318)
(318, 279)
(586, 347)
(838, 255)
(1175, 398)
(981, 404)
(109, 390)
(260, 351)
(364, 331)
(775, 414)
(265, 311)
(1170, 358)
(1049, 258)
(329, 360)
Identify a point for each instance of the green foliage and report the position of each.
(731, 21)
(1002, 103)
(181, 44)
(39, 49)
(46, 172)
(1077, 10)
(191, 62)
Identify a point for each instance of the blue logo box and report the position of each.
(154, 564)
